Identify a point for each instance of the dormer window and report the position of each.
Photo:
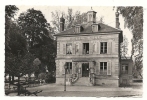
(78, 29)
(95, 28)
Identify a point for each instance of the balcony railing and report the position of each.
(85, 52)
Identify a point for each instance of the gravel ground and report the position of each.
(54, 90)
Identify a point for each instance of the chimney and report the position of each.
(62, 21)
(117, 19)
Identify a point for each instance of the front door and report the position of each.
(85, 70)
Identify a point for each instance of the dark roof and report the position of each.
(88, 29)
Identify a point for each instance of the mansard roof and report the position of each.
(87, 28)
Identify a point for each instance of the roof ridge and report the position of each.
(87, 29)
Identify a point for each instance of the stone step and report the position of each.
(84, 81)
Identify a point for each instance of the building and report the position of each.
(89, 53)
(125, 78)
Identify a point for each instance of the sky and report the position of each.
(107, 12)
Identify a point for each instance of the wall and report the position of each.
(112, 40)
(112, 56)
(126, 79)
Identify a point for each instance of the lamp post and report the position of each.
(65, 67)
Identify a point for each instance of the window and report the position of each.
(95, 28)
(69, 48)
(85, 48)
(103, 47)
(69, 68)
(103, 68)
(77, 29)
(124, 69)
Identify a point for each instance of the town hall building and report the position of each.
(89, 54)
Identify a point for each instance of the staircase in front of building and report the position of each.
(83, 81)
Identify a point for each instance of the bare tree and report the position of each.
(71, 19)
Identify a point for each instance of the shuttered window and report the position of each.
(103, 48)
(69, 48)
(103, 68)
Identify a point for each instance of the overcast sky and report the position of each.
(107, 12)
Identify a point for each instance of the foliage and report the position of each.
(37, 62)
(41, 76)
(133, 17)
(10, 11)
(18, 61)
(15, 42)
(34, 26)
(21, 65)
(49, 78)
(37, 32)
(124, 47)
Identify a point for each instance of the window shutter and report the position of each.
(63, 70)
(98, 68)
(113, 47)
(64, 49)
(98, 47)
(73, 67)
(109, 45)
(108, 68)
(77, 48)
(80, 48)
(61, 48)
(95, 48)
(90, 47)
(73, 48)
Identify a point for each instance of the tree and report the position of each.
(18, 61)
(71, 19)
(46, 53)
(37, 32)
(10, 11)
(14, 42)
(34, 26)
(133, 17)
(124, 47)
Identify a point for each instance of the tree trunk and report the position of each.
(9, 78)
(12, 79)
(18, 86)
